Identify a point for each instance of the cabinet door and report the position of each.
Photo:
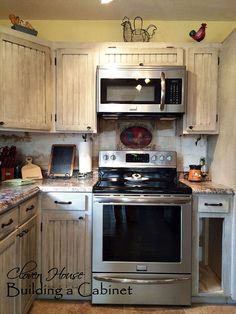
(25, 84)
(8, 261)
(147, 56)
(76, 109)
(201, 112)
(27, 244)
(66, 252)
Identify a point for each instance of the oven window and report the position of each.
(142, 233)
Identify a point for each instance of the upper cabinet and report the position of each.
(25, 84)
(147, 56)
(201, 110)
(75, 90)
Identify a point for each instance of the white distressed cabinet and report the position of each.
(128, 55)
(211, 247)
(66, 244)
(25, 84)
(18, 250)
(201, 111)
(75, 91)
(8, 261)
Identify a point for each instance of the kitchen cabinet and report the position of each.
(25, 84)
(27, 249)
(211, 247)
(17, 250)
(126, 55)
(201, 111)
(75, 107)
(8, 261)
(66, 244)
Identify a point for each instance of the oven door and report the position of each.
(142, 233)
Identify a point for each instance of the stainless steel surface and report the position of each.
(158, 281)
(142, 199)
(134, 72)
(163, 91)
(157, 159)
(98, 265)
(176, 292)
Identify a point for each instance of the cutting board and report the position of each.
(31, 171)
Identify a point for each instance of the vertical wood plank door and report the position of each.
(8, 261)
(66, 252)
(25, 84)
(158, 56)
(75, 108)
(27, 243)
(201, 114)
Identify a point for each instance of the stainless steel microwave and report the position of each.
(141, 89)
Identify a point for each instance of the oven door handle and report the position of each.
(159, 281)
(139, 200)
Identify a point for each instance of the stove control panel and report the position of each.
(127, 159)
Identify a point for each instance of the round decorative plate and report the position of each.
(136, 137)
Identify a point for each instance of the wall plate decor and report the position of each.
(135, 135)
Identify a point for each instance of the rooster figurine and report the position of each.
(200, 34)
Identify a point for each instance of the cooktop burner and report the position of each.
(139, 172)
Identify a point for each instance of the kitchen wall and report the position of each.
(111, 30)
(38, 145)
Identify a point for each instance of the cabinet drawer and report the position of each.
(66, 201)
(28, 209)
(214, 203)
(8, 222)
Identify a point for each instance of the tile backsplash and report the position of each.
(189, 148)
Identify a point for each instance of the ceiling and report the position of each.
(198, 10)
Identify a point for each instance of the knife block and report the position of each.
(7, 173)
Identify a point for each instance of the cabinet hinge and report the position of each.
(217, 118)
(218, 60)
(55, 117)
(55, 61)
(41, 227)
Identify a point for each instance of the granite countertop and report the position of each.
(11, 196)
(207, 187)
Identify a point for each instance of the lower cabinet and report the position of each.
(211, 247)
(27, 237)
(8, 261)
(66, 245)
(18, 257)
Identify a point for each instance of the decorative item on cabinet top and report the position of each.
(200, 34)
(21, 25)
(137, 33)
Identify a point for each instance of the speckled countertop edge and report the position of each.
(12, 196)
(207, 187)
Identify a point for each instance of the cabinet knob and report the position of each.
(2, 123)
(190, 127)
(88, 128)
(81, 218)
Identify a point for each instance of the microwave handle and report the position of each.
(163, 91)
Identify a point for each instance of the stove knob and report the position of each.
(113, 157)
(161, 158)
(154, 158)
(169, 158)
(105, 157)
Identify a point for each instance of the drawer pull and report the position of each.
(81, 218)
(64, 203)
(29, 208)
(213, 204)
(7, 224)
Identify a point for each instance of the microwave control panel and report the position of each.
(173, 91)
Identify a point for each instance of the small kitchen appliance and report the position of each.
(141, 90)
(141, 230)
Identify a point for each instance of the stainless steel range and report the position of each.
(141, 230)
